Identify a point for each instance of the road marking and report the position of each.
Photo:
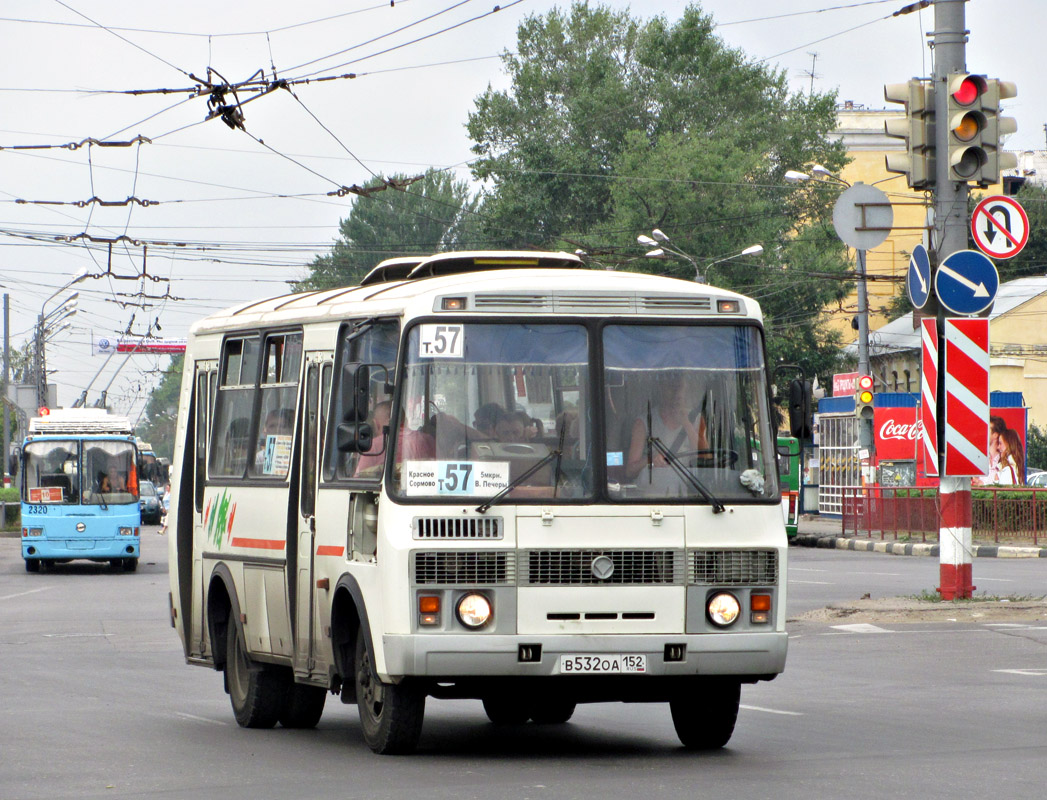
(816, 583)
(772, 711)
(1005, 625)
(1034, 673)
(995, 580)
(23, 594)
(805, 569)
(194, 718)
(861, 627)
(77, 635)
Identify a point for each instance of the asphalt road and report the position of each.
(96, 701)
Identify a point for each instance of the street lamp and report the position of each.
(41, 328)
(662, 245)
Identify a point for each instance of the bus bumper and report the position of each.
(741, 654)
(94, 549)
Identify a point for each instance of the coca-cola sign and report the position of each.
(900, 430)
(897, 432)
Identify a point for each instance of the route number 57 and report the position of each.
(441, 341)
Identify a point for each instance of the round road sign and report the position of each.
(966, 282)
(918, 279)
(863, 216)
(1000, 226)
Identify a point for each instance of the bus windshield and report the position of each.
(686, 413)
(57, 472)
(486, 405)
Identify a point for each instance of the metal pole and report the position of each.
(7, 379)
(950, 235)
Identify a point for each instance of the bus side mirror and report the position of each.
(801, 409)
(354, 437)
(356, 379)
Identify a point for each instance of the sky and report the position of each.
(209, 216)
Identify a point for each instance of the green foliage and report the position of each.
(1036, 447)
(614, 126)
(158, 422)
(433, 214)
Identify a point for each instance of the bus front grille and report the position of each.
(462, 568)
(596, 567)
(734, 567)
(457, 528)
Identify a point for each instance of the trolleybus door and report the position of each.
(204, 387)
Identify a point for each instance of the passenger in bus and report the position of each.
(671, 425)
(113, 481)
(485, 419)
(513, 427)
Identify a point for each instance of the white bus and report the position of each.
(488, 475)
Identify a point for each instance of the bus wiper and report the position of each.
(686, 474)
(485, 507)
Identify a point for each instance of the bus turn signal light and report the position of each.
(760, 605)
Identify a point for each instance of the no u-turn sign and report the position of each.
(1000, 226)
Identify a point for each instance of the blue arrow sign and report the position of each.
(918, 280)
(966, 282)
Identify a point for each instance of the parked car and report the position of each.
(149, 502)
(1036, 477)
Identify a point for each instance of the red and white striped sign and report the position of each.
(966, 397)
(929, 395)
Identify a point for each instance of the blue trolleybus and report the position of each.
(80, 490)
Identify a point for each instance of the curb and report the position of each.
(911, 549)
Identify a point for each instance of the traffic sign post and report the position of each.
(966, 283)
(1000, 226)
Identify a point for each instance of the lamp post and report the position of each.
(662, 245)
(41, 330)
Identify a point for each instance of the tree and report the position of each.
(161, 411)
(613, 126)
(428, 215)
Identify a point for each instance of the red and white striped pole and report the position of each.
(954, 539)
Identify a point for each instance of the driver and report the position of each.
(671, 425)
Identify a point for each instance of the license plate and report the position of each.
(602, 664)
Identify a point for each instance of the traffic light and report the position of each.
(863, 397)
(975, 128)
(916, 128)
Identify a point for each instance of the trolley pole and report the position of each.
(950, 235)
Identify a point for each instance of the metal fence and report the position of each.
(999, 513)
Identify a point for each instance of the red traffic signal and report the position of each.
(863, 397)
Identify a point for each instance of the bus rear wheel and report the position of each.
(303, 707)
(507, 709)
(705, 720)
(255, 690)
(390, 714)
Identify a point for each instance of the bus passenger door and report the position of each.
(305, 651)
(205, 383)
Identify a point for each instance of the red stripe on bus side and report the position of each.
(258, 544)
(329, 550)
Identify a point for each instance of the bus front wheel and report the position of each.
(390, 714)
(32, 565)
(705, 720)
(254, 688)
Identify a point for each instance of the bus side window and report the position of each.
(233, 407)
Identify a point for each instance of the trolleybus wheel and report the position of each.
(705, 720)
(390, 714)
(32, 565)
(130, 564)
(553, 711)
(303, 707)
(254, 689)
(506, 709)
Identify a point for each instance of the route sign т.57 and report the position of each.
(966, 282)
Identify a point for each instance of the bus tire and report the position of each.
(503, 709)
(255, 690)
(130, 564)
(32, 565)
(390, 714)
(303, 707)
(705, 719)
(553, 711)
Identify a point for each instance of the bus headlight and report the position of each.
(474, 610)
(32, 531)
(723, 609)
(128, 531)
